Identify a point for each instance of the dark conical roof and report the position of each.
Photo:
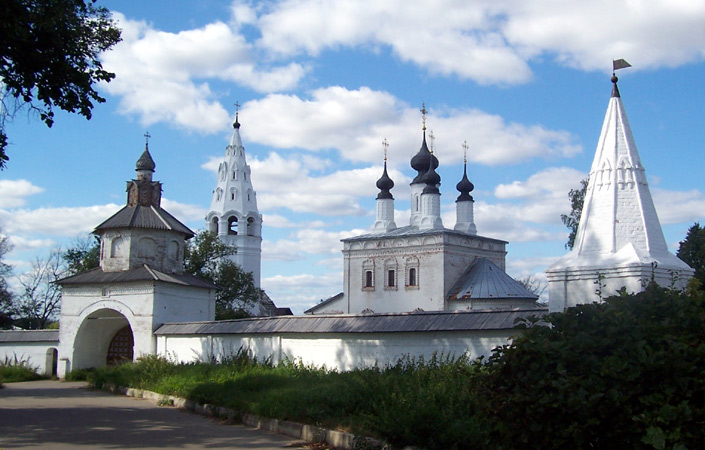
(465, 187)
(385, 184)
(421, 161)
(484, 280)
(145, 161)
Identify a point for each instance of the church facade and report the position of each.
(424, 266)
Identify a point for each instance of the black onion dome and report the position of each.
(421, 161)
(145, 162)
(432, 179)
(464, 187)
(385, 184)
(236, 124)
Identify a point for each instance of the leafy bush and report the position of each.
(627, 373)
(17, 368)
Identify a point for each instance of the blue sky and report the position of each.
(321, 84)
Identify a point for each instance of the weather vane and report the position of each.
(385, 144)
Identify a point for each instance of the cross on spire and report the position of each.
(423, 115)
(465, 151)
(431, 138)
(385, 144)
(146, 139)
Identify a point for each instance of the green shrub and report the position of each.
(17, 368)
(627, 373)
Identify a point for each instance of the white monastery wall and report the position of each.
(334, 350)
(37, 354)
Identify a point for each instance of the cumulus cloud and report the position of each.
(356, 121)
(309, 241)
(14, 193)
(679, 206)
(162, 76)
(60, 222)
(489, 42)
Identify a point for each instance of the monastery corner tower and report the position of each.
(619, 242)
(233, 213)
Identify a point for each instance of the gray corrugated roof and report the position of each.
(370, 323)
(143, 273)
(410, 230)
(484, 280)
(29, 336)
(323, 303)
(145, 217)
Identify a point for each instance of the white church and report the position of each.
(410, 290)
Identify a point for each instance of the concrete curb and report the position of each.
(308, 433)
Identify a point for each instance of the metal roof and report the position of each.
(143, 273)
(411, 230)
(29, 336)
(372, 323)
(484, 280)
(151, 217)
(323, 303)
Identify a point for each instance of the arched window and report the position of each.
(368, 275)
(412, 276)
(390, 270)
(117, 248)
(411, 264)
(368, 279)
(232, 225)
(214, 225)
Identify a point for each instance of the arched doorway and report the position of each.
(104, 337)
(51, 364)
(121, 348)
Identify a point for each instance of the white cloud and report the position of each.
(64, 222)
(679, 206)
(184, 212)
(163, 77)
(308, 241)
(356, 121)
(20, 244)
(490, 42)
(13, 193)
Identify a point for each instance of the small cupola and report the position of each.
(465, 186)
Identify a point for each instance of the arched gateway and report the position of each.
(109, 314)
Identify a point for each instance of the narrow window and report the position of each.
(390, 278)
(232, 226)
(412, 276)
(368, 278)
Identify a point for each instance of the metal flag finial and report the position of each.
(619, 64)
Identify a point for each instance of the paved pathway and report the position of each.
(56, 415)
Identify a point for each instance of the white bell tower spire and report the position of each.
(233, 213)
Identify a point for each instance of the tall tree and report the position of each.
(39, 299)
(49, 57)
(206, 257)
(692, 251)
(572, 220)
(5, 294)
(83, 255)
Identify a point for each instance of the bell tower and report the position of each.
(233, 214)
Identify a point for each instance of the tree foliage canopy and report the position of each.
(692, 251)
(83, 256)
(49, 53)
(5, 294)
(206, 257)
(572, 220)
(626, 373)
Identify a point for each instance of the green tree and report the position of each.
(206, 257)
(49, 57)
(626, 373)
(572, 220)
(5, 294)
(692, 251)
(83, 255)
